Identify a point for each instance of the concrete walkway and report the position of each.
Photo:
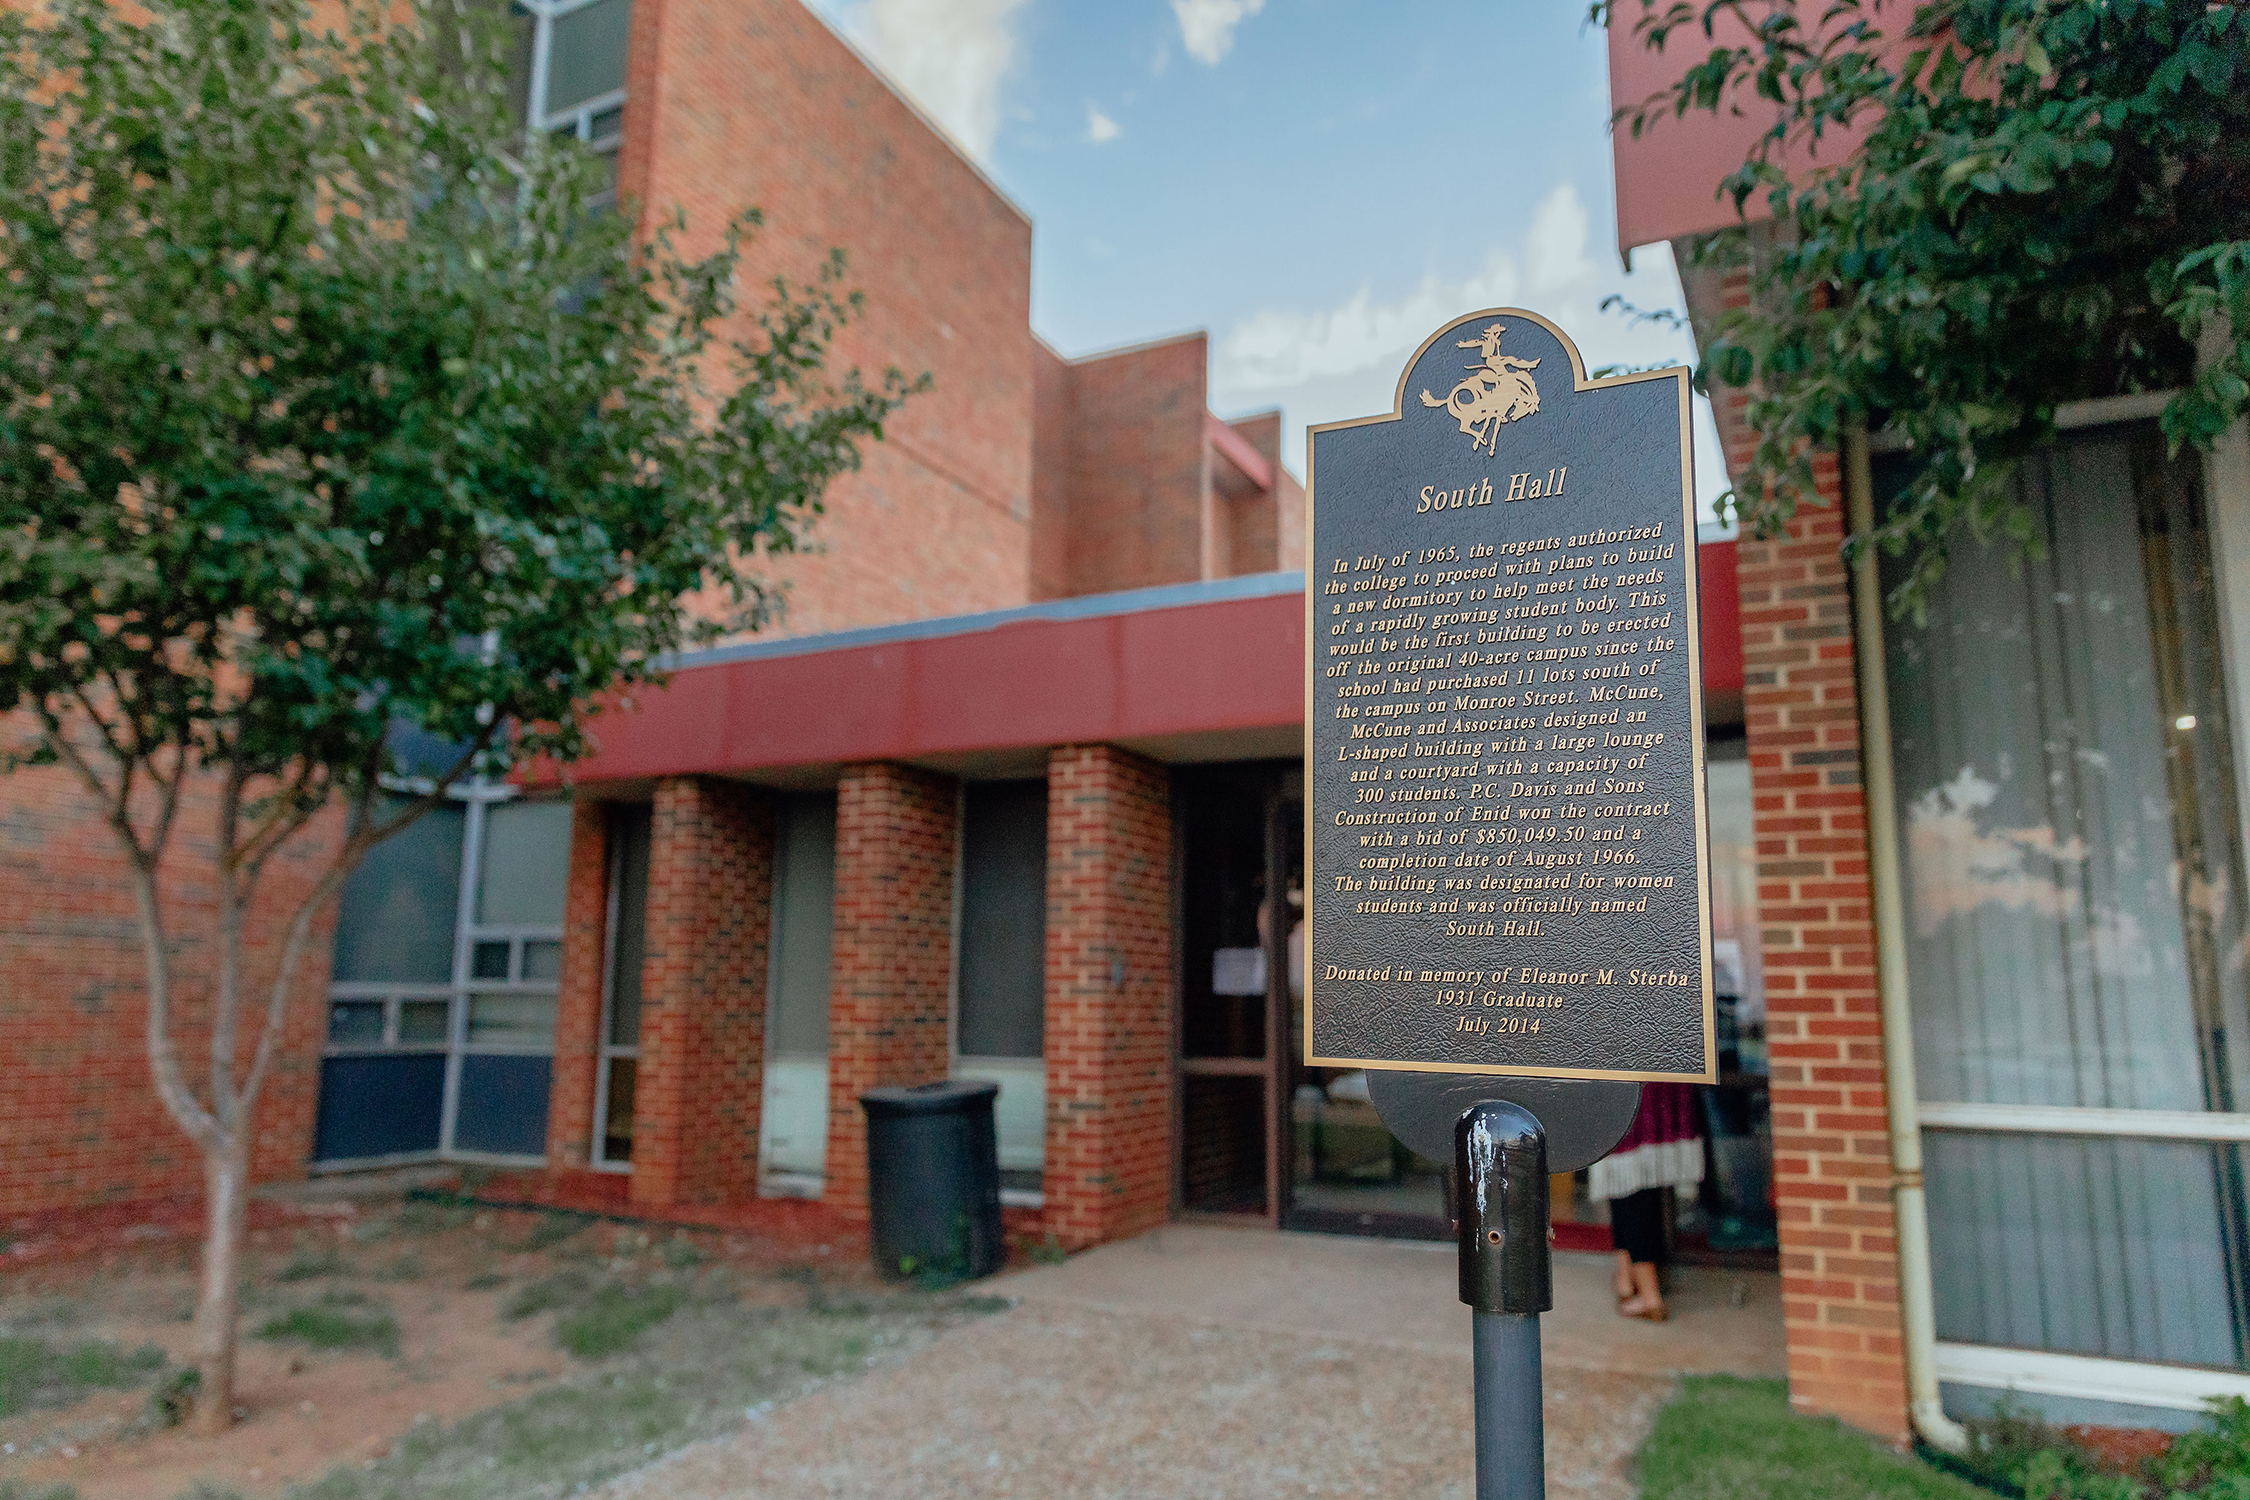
(1214, 1362)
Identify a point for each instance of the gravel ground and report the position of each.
(1222, 1363)
(1049, 1400)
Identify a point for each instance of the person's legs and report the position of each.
(1636, 1224)
(1622, 1280)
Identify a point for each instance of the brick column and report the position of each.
(893, 966)
(1832, 1159)
(578, 1006)
(1109, 994)
(703, 994)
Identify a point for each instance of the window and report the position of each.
(442, 996)
(576, 65)
(793, 1123)
(2074, 920)
(1000, 991)
(619, 1064)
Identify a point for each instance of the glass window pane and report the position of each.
(629, 828)
(542, 959)
(355, 1023)
(526, 865)
(586, 57)
(395, 921)
(512, 1020)
(617, 1118)
(2065, 795)
(1003, 999)
(422, 1021)
(489, 960)
(605, 127)
(804, 924)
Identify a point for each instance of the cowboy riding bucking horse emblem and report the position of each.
(1496, 391)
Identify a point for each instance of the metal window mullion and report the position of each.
(457, 1022)
(2078, 1121)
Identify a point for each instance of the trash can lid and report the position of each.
(944, 1097)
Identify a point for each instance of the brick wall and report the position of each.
(1832, 1162)
(740, 102)
(80, 1123)
(703, 994)
(1109, 994)
(891, 976)
(578, 1007)
(1137, 467)
(1054, 411)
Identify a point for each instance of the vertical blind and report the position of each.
(2074, 910)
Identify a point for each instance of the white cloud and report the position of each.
(1325, 364)
(949, 56)
(1100, 127)
(1555, 249)
(1207, 26)
(1279, 347)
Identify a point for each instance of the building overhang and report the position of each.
(1187, 673)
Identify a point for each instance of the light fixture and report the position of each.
(2184, 722)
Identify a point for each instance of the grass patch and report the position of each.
(36, 1374)
(333, 1324)
(1725, 1438)
(614, 1318)
(690, 1378)
(12, 1490)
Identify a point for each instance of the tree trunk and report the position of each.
(226, 1177)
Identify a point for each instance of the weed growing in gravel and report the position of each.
(330, 1325)
(35, 1373)
(552, 1229)
(310, 1265)
(691, 1378)
(681, 1253)
(614, 1318)
(562, 1289)
(10, 1490)
(485, 1281)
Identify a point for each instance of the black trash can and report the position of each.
(933, 1180)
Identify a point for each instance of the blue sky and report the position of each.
(1318, 183)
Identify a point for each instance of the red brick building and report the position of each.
(1999, 889)
(1013, 791)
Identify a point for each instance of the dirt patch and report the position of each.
(372, 1337)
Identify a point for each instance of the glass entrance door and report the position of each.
(1346, 1172)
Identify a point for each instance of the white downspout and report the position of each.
(1917, 1306)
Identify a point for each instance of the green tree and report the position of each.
(2051, 202)
(328, 405)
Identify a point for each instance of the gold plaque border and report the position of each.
(1681, 377)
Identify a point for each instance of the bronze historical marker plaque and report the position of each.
(1504, 719)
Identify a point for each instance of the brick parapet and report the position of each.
(578, 1005)
(1109, 1007)
(699, 1083)
(890, 985)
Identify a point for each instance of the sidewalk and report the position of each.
(1223, 1362)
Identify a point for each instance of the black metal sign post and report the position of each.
(1508, 914)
